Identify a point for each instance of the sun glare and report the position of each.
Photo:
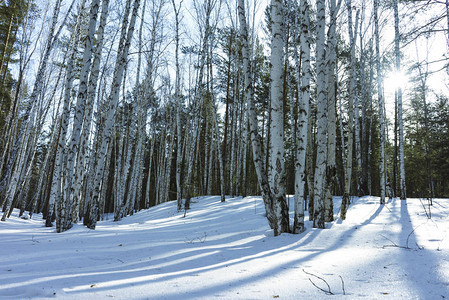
(395, 80)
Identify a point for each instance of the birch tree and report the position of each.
(381, 105)
(277, 175)
(84, 151)
(352, 95)
(320, 168)
(262, 177)
(304, 76)
(176, 10)
(331, 167)
(125, 42)
(71, 178)
(399, 102)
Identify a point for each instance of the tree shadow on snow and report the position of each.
(178, 259)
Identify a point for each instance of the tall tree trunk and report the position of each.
(352, 95)
(147, 192)
(72, 149)
(178, 108)
(381, 106)
(365, 94)
(310, 161)
(255, 138)
(370, 131)
(58, 198)
(320, 168)
(124, 45)
(232, 177)
(277, 176)
(399, 98)
(304, 76)
(331, 167)
(84, 152)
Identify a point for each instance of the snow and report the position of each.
(227, 251)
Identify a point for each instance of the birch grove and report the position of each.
(135, 103)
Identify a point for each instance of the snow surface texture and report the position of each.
(227, 251)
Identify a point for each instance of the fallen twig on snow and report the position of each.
(328, 292)
(399, 246)
(342, 285)
(200, 239)
(428, 213)
(408, 237)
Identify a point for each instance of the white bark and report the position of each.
(124, 45)
(320, 168)
(71, 178)
(244, 150)
(371, 76)
(381, 106)
(255, 138)
(232, 178)
(277, 117)
(84, 152)
(147, 192)
(178, 101)
(399, 97)
(304, 76)
(58, 195)
(365, 94)
(352, 96)
(331, 168)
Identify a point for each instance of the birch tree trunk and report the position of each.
(124, 45)
(278, 176)
(58, 194)
(370, 125)
(399, 98)
(365, 94)
(233, 143)
(309, 161)
(352, 95)
(381, 106)
(320, 168)
(72, 151)
(84, 152)
(178, 101)
(147, 192)
(244, 150)
(255, 138)
(331, 167)
(55, 191)
(304, 76)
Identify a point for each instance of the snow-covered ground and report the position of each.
(227, 251)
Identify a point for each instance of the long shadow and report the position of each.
(194, 262)
(425, 281)
(244, 280)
